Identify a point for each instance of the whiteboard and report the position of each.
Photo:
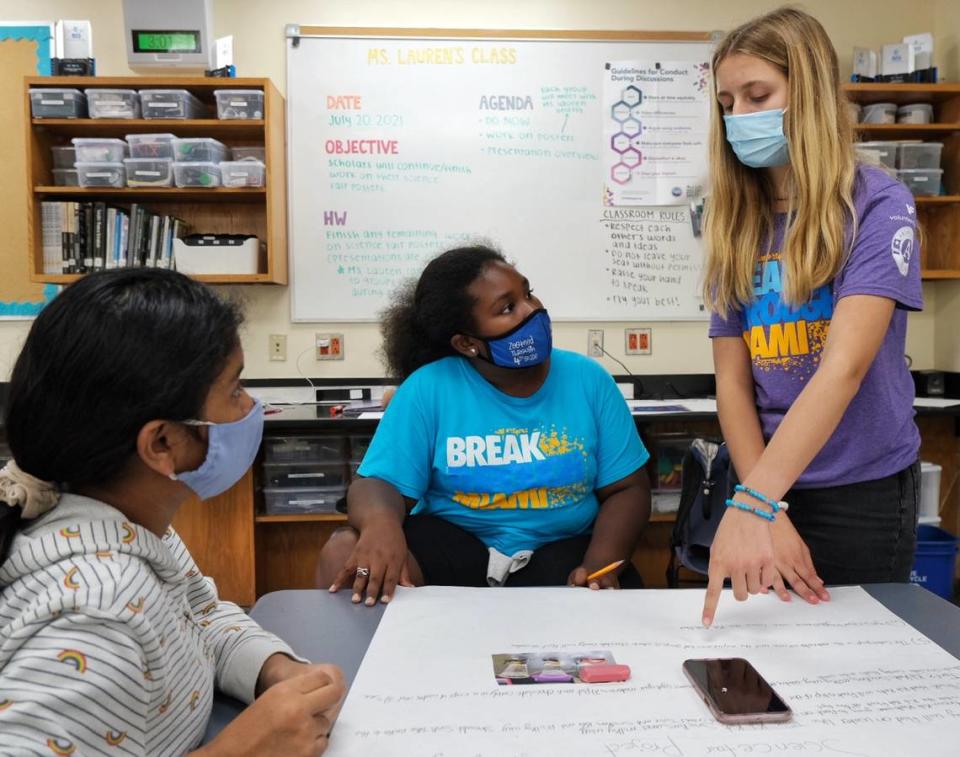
(400, 147)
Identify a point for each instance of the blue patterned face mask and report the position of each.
(231, 450)
(523, 346)
(758, 139)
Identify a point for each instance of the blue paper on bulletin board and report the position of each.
(42, 35)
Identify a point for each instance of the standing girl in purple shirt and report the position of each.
(812, 265)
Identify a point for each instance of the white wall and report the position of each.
(947, 333)
(257, 27)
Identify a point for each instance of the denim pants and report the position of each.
(860, 533)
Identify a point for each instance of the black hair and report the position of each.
(425, 314)
(112, 352)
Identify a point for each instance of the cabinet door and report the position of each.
(219, 535)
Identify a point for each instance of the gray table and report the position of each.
(328, 627)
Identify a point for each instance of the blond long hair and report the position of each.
(739, 214)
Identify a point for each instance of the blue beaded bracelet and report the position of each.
(758, 496)
(747, 509)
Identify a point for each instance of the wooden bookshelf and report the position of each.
(221, 194)
(118, 127)
(218, 211)
(939, 217)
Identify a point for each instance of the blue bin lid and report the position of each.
(934, 534)
(933, 541)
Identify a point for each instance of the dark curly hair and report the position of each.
(425, 314)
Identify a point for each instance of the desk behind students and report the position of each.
(279, 552)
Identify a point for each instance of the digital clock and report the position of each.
(163, 41)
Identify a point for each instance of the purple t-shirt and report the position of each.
(877, 435)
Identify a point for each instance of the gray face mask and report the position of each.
(231, 450)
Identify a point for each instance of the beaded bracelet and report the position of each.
(747, 509)
(758, 496)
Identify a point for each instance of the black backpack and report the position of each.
(704, 489)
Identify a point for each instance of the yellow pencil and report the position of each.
(603, 571)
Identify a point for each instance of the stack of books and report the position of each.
(79, 237)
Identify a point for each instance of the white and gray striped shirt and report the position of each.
(111, 640)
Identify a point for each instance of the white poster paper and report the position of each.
(860, 680)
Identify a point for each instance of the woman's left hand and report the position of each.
(794, 563)
(578, 577)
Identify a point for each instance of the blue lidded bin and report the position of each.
(935, 560)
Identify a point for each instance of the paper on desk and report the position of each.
(699, 405)
(860, 680)
(371, 415)
(934, 402)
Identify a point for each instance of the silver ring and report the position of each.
(363, 572)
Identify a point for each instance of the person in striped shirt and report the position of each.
(124, 402)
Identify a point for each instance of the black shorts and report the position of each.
(451, 556)
(862, 533)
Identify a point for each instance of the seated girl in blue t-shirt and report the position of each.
(500, 460)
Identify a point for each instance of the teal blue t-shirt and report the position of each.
(516, 472)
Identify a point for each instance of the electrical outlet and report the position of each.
(595, 342)
(329, 346)
(638, 341)
(278, 347)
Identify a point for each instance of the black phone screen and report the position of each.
(734, 686)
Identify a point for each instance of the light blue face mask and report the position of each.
(231, 450)
(758, 139)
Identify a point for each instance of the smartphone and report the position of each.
(735, 692)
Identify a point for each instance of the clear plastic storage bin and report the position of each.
(196, 174)
(64, 157)
(243, 173)
(929, 490)
(920, 113)
(878, 153)
(304, 474)
(879, 113)
(101, 175)
(252, 151)
(149, 172)
(359, 446)
(305, 500)
(239, 103)
(151, 145)
(100, 150)
(199, 149)
(304, 449)
(113, 103)
(921, 182)
(66, 177)
(924, 155)
(58, 103)
(170, 103)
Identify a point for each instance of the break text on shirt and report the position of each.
(517, 469)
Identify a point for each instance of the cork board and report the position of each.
(24, 51)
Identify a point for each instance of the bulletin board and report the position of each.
(25, 50)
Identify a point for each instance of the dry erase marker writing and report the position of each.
(603, 571)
